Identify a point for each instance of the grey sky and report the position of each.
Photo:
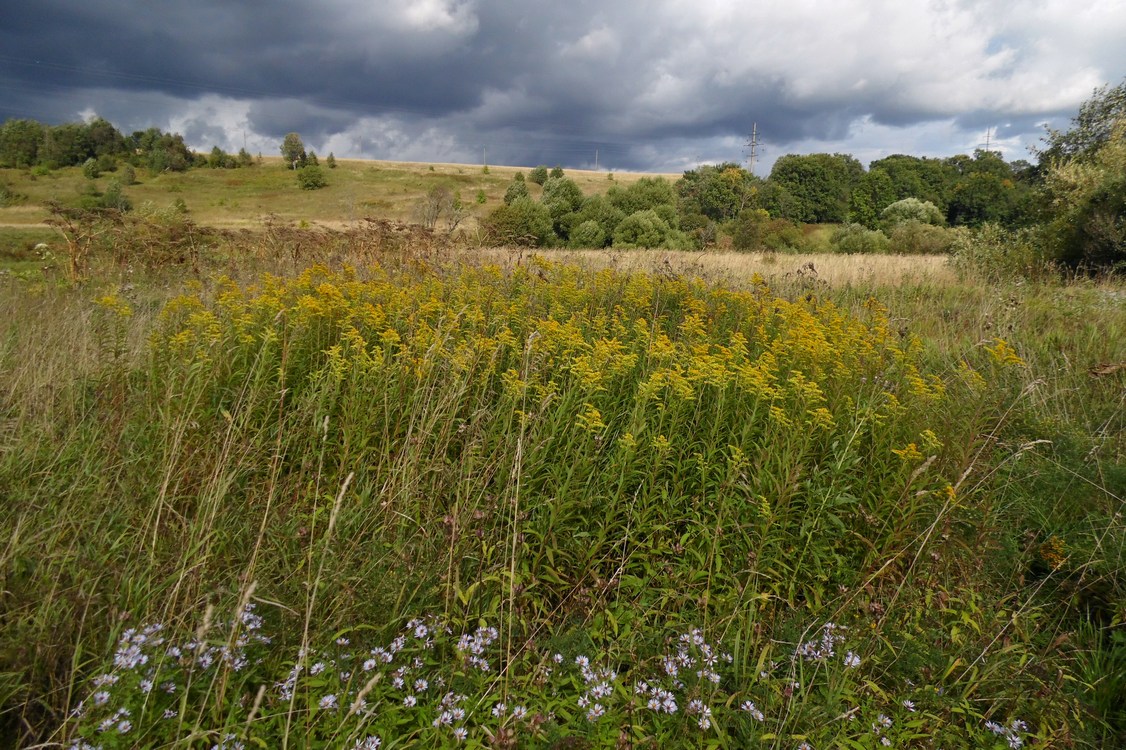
(660, 85)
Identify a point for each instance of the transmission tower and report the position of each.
(752, 148)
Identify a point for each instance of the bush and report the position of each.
(90, 169)
(523, 222)
(996, 254)
(912, 209)
(114, 198)
(538, 175)
(561, 196)
(128, 175)
(913, 237)
(855, 238)
(106, 163)
(9, 197)
(516, 190)
(753, 229)
(557, 171)
(642, 229)
(311, 177)
(588, 234)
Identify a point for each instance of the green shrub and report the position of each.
(516, 190)
(642, 229)
(9, 197)
(90, 169)
(311, 177)
(993, 254)
(538, 175)
(855, 238)
(128, 175)
(588, 234)
(913, 237)
(523, 222)
(561, 196)
(114, 198)
(753, 229)
(912, 209)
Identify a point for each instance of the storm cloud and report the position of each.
(657, 86)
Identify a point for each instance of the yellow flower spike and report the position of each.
(1004, 355)
(930, 440)
(909, 453)
(821, 418)
(590, 419)
(779, 417)
(116, 305)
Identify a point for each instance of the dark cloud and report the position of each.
(645, 85)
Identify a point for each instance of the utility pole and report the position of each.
(752, 145)
(595, 160)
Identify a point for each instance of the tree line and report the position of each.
(28, 144)
(1069, 206)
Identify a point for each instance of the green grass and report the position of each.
(596, 463)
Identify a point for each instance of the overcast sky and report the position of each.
(654, 85)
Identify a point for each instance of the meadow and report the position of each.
(345, 486)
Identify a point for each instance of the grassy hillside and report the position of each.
(241, 197)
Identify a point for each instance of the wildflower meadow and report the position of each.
(383, 499)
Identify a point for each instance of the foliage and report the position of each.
(330, 161)
(561, 196)
(1091, 129)
(596, 208)
(872, 194)
(648, 193)
(913, 237)
(995, 254)
(219, 159)
(114, 198)
(856, 238)
(925, 178)
(1087, 207)
(538, 175)
(718, 192)
(556, 172)
(588, 234)
(819, 185)
(523, 222)
(642, 229)
(753, 230)
(20, 143)
(90, 169)
(516, 189)
(293, 151)
(9, 196)
(911, 209)
(311, 177)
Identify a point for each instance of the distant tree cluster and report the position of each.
(97, 146)
(644, 214)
